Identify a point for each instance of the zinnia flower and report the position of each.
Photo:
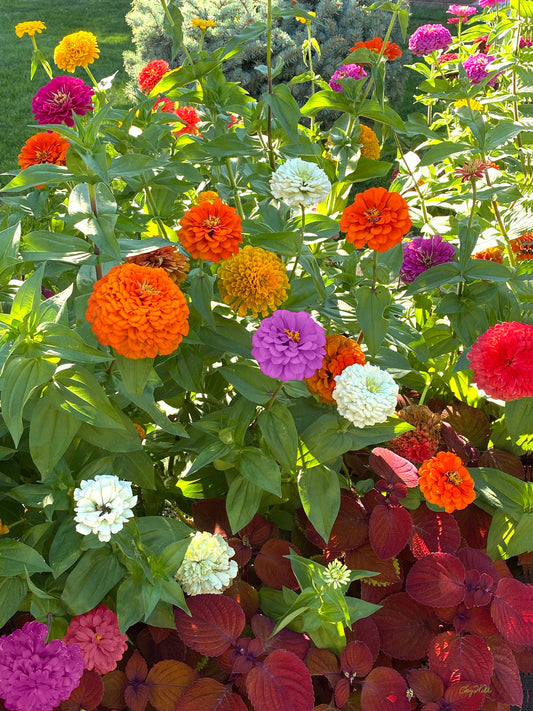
(189, 119)
(76, 50)
(168, 258)
(299, 183)
(377, 218)
(103, 505)
(475, 67)
(463, 12)
(491, 254)
(424, 441)
(428, 39)
(502, 361)
(525, 42)
(289, 345)
(347, 71)
(481, 44)
(34, 675)
(336, 574)
(98, 636)
(206, 196)
(253, 280)
(365, 394)
(445, 482)
(202, 24)
(29, 28)
(56, 101)
(206, 567)
(422, 253)
(470, 103)
(211, 230)
(471, 170)
(489, 3)
(340, 353)
(138, 311)
(391, 51)
(151, 74)
(447, 57)
(45, 147)
(369, 142)
(523, 247)
(3, 528)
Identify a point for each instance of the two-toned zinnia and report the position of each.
(168, 258)
(340, 353)
(211, 230)
(444, 481)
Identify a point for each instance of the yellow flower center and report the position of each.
(98, 638)
(454, 478)
(146, 288)
(212, 222)
(373, 215)
(293, 335)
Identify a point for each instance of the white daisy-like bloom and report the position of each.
(206, 567)
(336, 574)
(299, 183)
(365, 394)
(103, 505)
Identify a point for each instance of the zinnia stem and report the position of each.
(92, 200)
(270, 88)
(374, 270)
(415, 182)
(302, 235)
(235, 187)
(274, 395)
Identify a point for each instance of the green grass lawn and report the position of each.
(105, 18)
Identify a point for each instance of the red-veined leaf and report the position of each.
(384, 690)
(426, 684)
(87, 695)
(350, 529)
(342, 691)
(437, 580)
(433, 532)
(405, 626)
(167, 681)
(390, 465)
(281, 682)
(365, 630)
(241, 552)
(389, 530)
(322, 662)
(474, 524)
(364, 558)
(273, 568)
(356, 659)
(480, 622)
(470, 422)
(506, 685)
(215, 622)
(136, 668)
(474, 559)
(245, 595)
(457, 657)
(465, 696)
(115, 684)
(210, 695)
(504, 461)
(512, 611)
(294, 642)
(524, 659)
(136, 696)
(256, 532)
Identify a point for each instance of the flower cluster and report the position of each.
(44, 147)
(151, 74)
(62, 97)
(340, 353)
(422, 253)
(211, 230)
(365, 394)
(444, 481)
(97, 635)
(76, 50)
(103, 505)
(347, 71)
(207, 567)
(299, 183)
(428, 39)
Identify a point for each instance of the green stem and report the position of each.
(235, 187)
(270, 86)
(274, 395)
(99, 93)
(302, 235)
(415, 183)
(374, 270)
(499, 220)
(474, 197)
(424, 391)
(310, 55)
(92, 200)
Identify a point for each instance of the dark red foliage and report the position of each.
(512, 611)
(433, 532)
(214, 623)
(405, 627)
(273, 567)
(455, 657)
(389, 530)
(282, 681)
(87, 695)
(437, 580)
(392, 467)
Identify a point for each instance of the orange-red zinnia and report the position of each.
(138, 311)
(44, 147)
(391, 51)
(340, 353)
(444, 481)
(377, 218)
(211, 230)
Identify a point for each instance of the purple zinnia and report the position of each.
(476, 68)
(422, 253)
(428, 39)
(34, 675)
(347, 71)
(463, 12)
(289, 345)
(55, 101)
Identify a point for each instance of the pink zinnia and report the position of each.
(56, 101)
(98, 636)
(347, 71)
(476, 68)
(502, 361)
(463, 12)
(428, 39)
(489, 3)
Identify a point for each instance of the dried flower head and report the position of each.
(369, 142)
(211, 230)
(299, 183)
(168, 258)
(428, 39)
(56, 101)
(206, 567)
(424, 441)
(98, 636)
(29, 28)
(76, 50)
(103, 505)
(151, 74)
(340, 353)
(445, 482)
(44, 147)
(391, 51)
(253, 280)
(365, 394)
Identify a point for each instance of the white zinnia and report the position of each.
(336, 574)
(298, 182)
(103, 505)
(206, 567)
(365, 394)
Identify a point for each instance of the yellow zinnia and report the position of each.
(3, 528)
(253, 279)
(369, 142)
(474, 105)
(206, 196)
(29, 28)
(76, 50)
(304, 20)
(202, 24)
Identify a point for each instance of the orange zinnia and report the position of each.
(392, 51)
(138, 311)
(45, 147)
(377, 218)
(523, 247)
(444, 481)
(340, 353)
(211, 230)
(491, 254)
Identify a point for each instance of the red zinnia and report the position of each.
(152, 74)
(45, 147)
(502, 361)
(523, 246)
(189, 118)
(392, 51)
(98, 636)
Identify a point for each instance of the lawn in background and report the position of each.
(105, 18)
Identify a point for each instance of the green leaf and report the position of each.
(38, 175)
(280, 434)
(371, 305)
(62, 342)
(28, 297)
(489, 271)
(130, 604)
(66, 547)
(371, 109)
(436, 154)
(285, 110)
(93, 577)
(242, 502)
(201, 292)
(309, 263)
(183, 75)
(51, 432)
(9, 248)
(501, 490)
(228, 336)
(137, 467)
(367, 168)
(260, 469)
(41, 246)
(433, 277)
(215, 450)
(499, 135)
(12, 593)
(17, 557)
(97, 208)
(520, 542)
(134, 372)
(320, 495)
(501, 532)
(248, 380)
(323, 100)
(519, 421)
(186, 368)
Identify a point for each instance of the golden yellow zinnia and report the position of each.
(369, 142)
(76, 50)
(474, 105)
(253, 279)
(304, 20)
(202, 24)
(29, 28)
(206, 196)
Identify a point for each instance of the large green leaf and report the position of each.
(42, 246)
(134, 372)
(500, 490)
(519, 421)
(51, 432)
(371, 305)
(39, 174)
(242, 502)
(280, 434)
(93, 577)
(12, 593)
(28, 297)
(17, 557)
(66, 547)
(248, 380)
(320, 495)
(95, 208)
(260, 469)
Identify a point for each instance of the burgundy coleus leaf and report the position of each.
(505, 683)
(115, 684)
(257, 532)
(137, 692)
(455, 657)
(156, 646)
(470, 422)
(389, 530)
(210, 695)
(350, 529)
(384, 690)
(426, 685)
(465, 696)
(504, 461)
(322, 662)
(281, 682)
(433, 532)
(342, 691)
(242, 552)
(216, 621)
(376, 593)
(210, 515)
(476, 620)
(87, 695)
(474, 524)
(474, 559)
(458, 444)
(246, 595)
(294, 642)
(512, 611)
(405, 626)
(479, 588)
(356, 660)
(437, 580)
(242, 656)
(273, 567)
(365, 630)
(167, 680)
(364, 558)
(392, 467)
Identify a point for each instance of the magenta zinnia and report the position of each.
(347, 71)
(98, 636)
(56, 101)
(428, 39)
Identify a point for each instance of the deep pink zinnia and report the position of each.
(502, 361)
(56, 101)
(347, 71)
(36, 675)
(98, 636)
(428, 39)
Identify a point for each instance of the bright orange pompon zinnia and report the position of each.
(392, 51)
(377, 218)
(44, 147)
(211, 230)
(340, 353)
(138, 311)
(444, 481)
(76, 50)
